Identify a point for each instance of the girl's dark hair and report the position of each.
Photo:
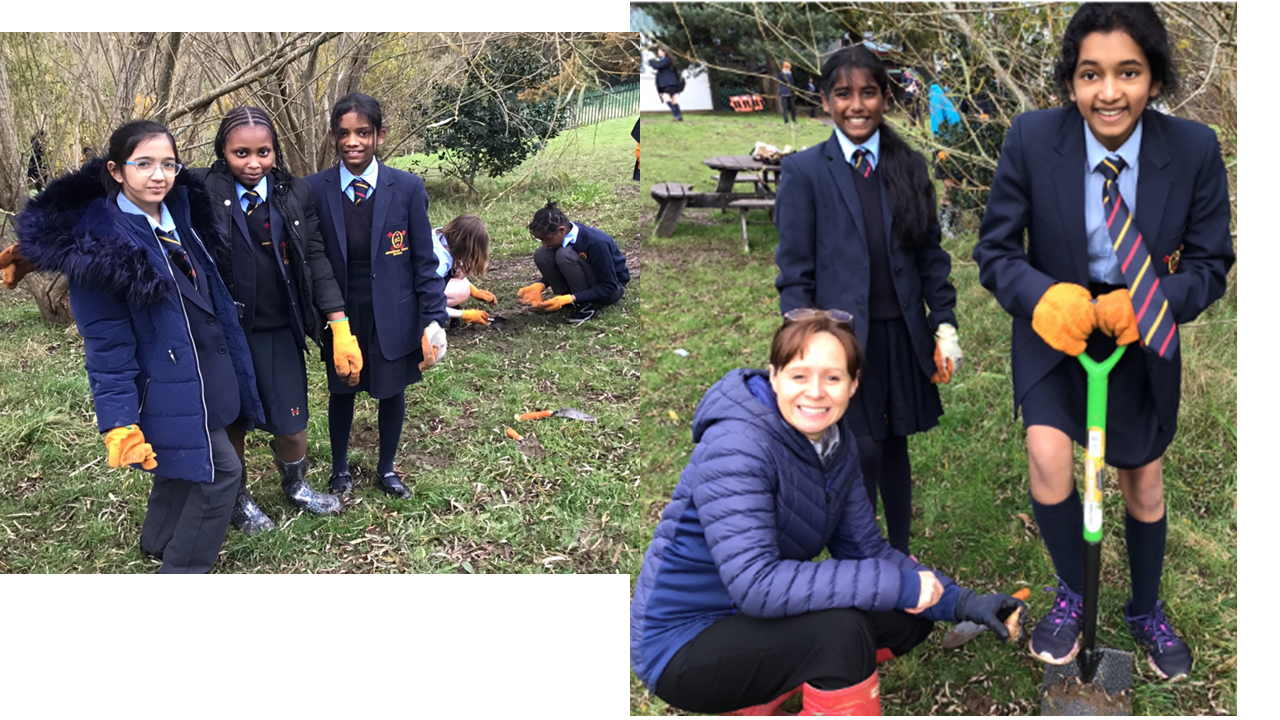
(548, 219)
(905, 172)
(246, 116)
(468, 244)
(360, 104)
(125, 140)
(790, 341)
(1139, 21)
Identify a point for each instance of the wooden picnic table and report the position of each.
(730, 165)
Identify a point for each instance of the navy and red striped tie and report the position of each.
(859, 156)
(360, 189)
(1156, 328)
(178, 255)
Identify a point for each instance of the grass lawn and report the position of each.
(480, 504)
(972, 518)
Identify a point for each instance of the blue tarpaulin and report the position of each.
(941, 111)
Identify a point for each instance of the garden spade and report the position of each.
(1098, 680)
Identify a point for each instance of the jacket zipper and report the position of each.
(143, 402)
(204, 410)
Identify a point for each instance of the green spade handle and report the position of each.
(1096, 425)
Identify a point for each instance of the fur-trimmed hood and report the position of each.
(72, 228)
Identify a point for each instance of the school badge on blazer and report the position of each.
(397, 242)
(1172, 260)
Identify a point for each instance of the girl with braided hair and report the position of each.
(582, 265)
(273, 263)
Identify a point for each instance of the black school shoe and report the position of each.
(582, 313)
(391, 485)
(340, 482)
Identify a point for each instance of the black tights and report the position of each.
(342, 411)
(741, 661)
(887, 466)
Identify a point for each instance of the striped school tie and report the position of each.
(254, 201)
(178, 255)
(859, 156)
(360, 189)
(1158, 331)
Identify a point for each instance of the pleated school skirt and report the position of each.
(380, 377)
(894, 396)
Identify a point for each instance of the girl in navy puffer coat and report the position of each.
(168, 364)
(729, 610)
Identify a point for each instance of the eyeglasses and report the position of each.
(839, 316)
(148, 167)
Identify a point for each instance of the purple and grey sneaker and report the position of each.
(1167, 653)
(1056, 639)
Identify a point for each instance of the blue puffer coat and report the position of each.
(754, 506)
(139, 350)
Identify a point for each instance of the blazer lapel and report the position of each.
(1068, 178)
(239, 220)
(1154, 179)
(381, 204)
(842, 174)
(334, 192)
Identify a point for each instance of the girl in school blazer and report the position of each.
(378, 239)
(858, 232)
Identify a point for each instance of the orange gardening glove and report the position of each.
(1115, 316)
(475, 316)
(946, 353)
(13, 267)
(530, 294)
(555, 303)
(347, 360)
(126, 446)
(486, 296)
(1064, 318)
(434, 344)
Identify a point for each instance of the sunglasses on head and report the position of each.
(839, 316)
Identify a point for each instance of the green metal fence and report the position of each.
(596, 106)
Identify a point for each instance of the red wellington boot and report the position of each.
(768, 709)
(860, 699)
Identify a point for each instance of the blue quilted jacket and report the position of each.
(139, 351)
(752, 509)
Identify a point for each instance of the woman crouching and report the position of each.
(730, 614)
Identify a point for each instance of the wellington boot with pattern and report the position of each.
(293, 481)
(246, 516)
(860, 699)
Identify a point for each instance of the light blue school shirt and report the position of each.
(872, 146)
(370, 176)
(260, 188)
(570, 237)
(1103, 265)
(166, 220)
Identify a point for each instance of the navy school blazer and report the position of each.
(408, 295)
(1037, 196)
(822, 254)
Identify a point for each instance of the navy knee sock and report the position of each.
(886, 470)
(1146, 543)
(342, 410)
(1062, 527)
(390, 424)
(895, 491)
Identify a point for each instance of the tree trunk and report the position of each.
(168, 59)
(131, 76)
(13, 174)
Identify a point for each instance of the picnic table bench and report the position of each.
(730, 165)
(743, 206)
(673, 198)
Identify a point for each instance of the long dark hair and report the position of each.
(247, 116)
(905, 172)
(125, 140)
(360, 104)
